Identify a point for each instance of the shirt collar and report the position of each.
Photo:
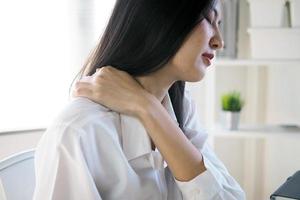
(135, 139)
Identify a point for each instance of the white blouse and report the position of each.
(93, 153)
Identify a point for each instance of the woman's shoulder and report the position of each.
(79, 110)
(82, 128)
(81, 117)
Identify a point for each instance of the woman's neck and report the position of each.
(156, 84)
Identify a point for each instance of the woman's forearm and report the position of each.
(183, 158)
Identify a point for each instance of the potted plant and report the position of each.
(232, 105)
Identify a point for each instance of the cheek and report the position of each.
(193, 47)
(188, 63)
(187, 55)
(188, 58)
(185, 58)
(188, 67)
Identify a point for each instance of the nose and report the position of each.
(216, 42)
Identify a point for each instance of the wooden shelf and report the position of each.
(256, 62)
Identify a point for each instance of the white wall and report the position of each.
(260, 160)
(283, 99)
(15, 142)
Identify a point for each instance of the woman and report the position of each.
(132, 131)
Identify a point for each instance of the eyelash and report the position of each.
(207, 19)
(211, 22)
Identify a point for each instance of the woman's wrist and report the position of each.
(146, 105)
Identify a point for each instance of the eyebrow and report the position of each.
(216, 12)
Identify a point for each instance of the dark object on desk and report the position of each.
(289, 190)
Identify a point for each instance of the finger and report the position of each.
(82, 85)
(83, 93)
(83, 89)
(86, 78)
(108, 68)
(99, 71)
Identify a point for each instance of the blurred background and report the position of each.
(254, 131)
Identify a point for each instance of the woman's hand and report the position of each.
(114, 89)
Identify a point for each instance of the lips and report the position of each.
(208, 57)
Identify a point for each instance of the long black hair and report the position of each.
(143, 35)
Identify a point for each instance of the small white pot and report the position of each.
(266, 13)
(295, 13)
(230, 120)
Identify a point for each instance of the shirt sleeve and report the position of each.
(60, 167)
(215, 183)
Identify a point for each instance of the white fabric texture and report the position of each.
(2, 191)
(93, 153)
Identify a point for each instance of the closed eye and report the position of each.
(212, 18)
(209, 20)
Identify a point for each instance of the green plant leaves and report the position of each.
(232, 101)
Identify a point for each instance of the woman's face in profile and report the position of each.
(199, 49)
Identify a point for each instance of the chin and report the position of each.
(194, 74)
(197, 78)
